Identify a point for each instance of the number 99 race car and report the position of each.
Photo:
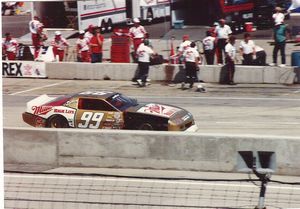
(105, 110)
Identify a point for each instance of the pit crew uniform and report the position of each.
(83, 49)
(209, 49)
(138, 35)
(222, 36)
(143, 53)
(59, 46)
(34, 27)
(10, 48)
(230, 51)
(248, 49)
(192, 57)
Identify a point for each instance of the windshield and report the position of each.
(121, 102)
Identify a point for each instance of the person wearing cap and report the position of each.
(281, 34)
(144, 52)
(209, 48)
(230, 53)
(96, 46)
(137, 33)
(35, 30)
(60, 46)
(278, 16)
(82, 48)
(89, 33)
(223, 32)
(9, 47)
(192, 58)
(183, 46)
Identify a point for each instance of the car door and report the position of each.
(97, 113)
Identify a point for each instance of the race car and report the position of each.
(105, 110)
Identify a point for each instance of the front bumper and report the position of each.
(33, 120)
(193, 128)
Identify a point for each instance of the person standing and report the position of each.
(60, 46)
(247, 50)
(278, 16)
(96, 46)
(192, 58)
(230, 52)
(223, 32)
(281, 33)
(209, 48)
(89, 33)
(82, 48)
(34, 28)
(144, 52)
(137, 33)
(10, 47)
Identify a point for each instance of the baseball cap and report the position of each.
(185, 37)
(57, 33)
(81, 32)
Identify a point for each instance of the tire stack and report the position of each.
(120, 47)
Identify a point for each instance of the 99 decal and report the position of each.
(90, 120)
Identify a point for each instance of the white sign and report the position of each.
(23, 69)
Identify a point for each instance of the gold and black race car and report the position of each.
(105, 110)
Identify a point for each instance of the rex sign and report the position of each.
(23, 69)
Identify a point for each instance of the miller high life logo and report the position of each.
(41, 110)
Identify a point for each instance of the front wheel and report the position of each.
(146, 126)
(58, 122)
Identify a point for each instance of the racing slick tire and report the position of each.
(58, 122)
(145, 126)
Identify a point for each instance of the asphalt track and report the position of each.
(241, 109)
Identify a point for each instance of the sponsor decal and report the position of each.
(158, 109)
(41, 110)
(39, 122)
(23, 69)
(64, 111)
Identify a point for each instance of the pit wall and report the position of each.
(142, 149)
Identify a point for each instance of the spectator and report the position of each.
(230, 51)
(82, 48)
(278, 17)
(209, 48)
(144, 52)
(261, 56)
(34, 27)
(137, 33)
(60, 46)
(192, 58)
(223, 32)
(281, 33)
(96, 46)
(10, 47)
(247, 49)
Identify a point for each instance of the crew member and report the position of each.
(144, 53)
(82, 46)
(96, 46)
(10, 47)
(223, 31)
(60, 46)
(192, 59)
(247, 50)
(183, 46)
(230, 52)
(278, 17)
(209, 48)
(137, 33)
(34, 27)
(89, 33)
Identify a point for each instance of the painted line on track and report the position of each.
(41, 87)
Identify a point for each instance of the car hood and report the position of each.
(156, 109)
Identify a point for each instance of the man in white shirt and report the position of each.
(230, 52)
(192, 58)
(89, 33)
(60, 46)
(223, 32)
(35, 30)
(137, 33)
(144, 52)
(82, 48)
(278, 17)
(247, 49)
(209, 48)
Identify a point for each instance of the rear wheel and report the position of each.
(58, 122)
(146, 126)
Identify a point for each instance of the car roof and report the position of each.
(95, 94)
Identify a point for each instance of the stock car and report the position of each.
(105, 110)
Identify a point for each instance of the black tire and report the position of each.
(145, 126)
(109, 26)
(58, 122)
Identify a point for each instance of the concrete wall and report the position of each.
(126, 71)
(141, 149)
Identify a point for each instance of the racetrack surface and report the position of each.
(241, 109)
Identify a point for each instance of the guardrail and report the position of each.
(142, 149)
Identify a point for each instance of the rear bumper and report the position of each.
(33, 120)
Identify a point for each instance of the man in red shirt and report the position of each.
(96, 46)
